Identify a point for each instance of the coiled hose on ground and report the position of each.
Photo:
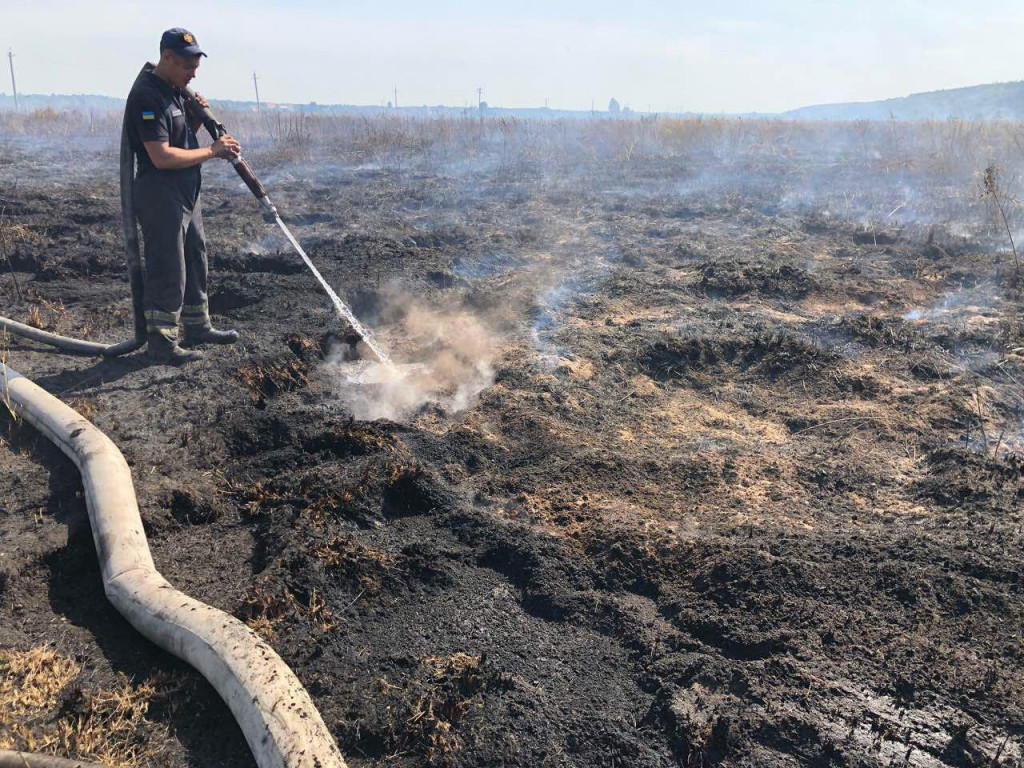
(133, 260)
(279, 720)
(66, 343)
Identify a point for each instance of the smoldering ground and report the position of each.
(754, 513)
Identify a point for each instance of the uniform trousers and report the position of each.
(174, 246)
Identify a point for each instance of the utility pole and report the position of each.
(259, 106)
(480, 103)
(396, 97)
(14, 87)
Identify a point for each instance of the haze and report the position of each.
(665, 56)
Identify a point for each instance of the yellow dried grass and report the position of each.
(40, 713)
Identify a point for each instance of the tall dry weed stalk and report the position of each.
(992, 191)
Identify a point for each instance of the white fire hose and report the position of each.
(276, 715)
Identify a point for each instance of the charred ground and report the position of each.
(746, 489)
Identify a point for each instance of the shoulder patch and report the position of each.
(147, 115)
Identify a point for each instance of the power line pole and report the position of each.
(259, 106)
(480, 103)
(396, 97)
(14, 87)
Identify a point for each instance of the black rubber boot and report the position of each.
(209, 335)
(164, 351)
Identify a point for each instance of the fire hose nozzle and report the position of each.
(270, 213)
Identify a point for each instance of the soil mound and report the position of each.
(762, 353)
(741, 278)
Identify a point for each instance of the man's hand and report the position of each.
(226, 147)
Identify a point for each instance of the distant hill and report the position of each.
(85, 102)
(997, 101)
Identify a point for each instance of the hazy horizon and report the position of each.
(658, 56)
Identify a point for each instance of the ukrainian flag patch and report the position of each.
(148, 116)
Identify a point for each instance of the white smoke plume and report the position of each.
(450, 353)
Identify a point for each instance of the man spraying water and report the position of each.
(160, 161)
(161, 120)
(161, 131)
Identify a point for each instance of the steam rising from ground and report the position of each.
(452, 352)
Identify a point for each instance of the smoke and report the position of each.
(552, 302)
(963, 306)
(450, 354)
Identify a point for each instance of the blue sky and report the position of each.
(726, 56)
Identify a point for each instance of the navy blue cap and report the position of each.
(181, 41)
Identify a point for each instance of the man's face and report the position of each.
(180, 69)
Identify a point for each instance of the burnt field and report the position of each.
(722, 463)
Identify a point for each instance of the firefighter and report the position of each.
(168, 205)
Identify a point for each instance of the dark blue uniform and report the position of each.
(168, 207)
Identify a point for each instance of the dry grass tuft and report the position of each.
(317, 610)
(455, 682)
(258, 499)
(84, 407)
(41, 711)
(43, 313)
(266, 380)
(19, 233)
(360, 566)
(30, 680)
(33, 317)
(430, 712)
(111, 726)
(263, 609)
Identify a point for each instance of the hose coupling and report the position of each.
(270, 210)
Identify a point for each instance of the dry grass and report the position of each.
(43, 313)
(455, 682)
(362, 567)
(111, 726)
(84, 407)
(317, 610)
(429, 712)
(256, 498)
(264, 608)
(400, 141)
(881, 173)
(34, 318)
(265, 380)
(42, 711)
(67, 123)
(19, 233)
(30, 680)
